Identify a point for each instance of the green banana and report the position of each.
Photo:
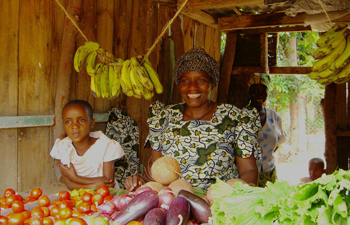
(332, 34)
(325, 81)
(343, 75)
(104, 82)
(96, 80)
(125, 79)
(153, 76)
(116, 86)
(313, 75)
(136, 84)
(142, 75)
(325, 62)
(322, 52)
(148, 95)
(111, 79)
(343, 59)
(82, 52)
(91, 60)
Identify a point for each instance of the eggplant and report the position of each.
(200, 209)
(138, 207)
(156, 216)
(179, 210)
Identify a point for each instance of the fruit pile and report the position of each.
(333, 56)
(110, 76)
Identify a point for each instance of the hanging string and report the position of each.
(73, 21)
(325, 11)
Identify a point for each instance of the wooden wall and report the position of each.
(31, 39)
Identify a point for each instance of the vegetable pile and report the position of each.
(323, 201)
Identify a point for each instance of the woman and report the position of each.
(208, 139)
(271, 136)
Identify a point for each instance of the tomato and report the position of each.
(37, 212)
(36, 192)
(103, 190)
(2, 200)
(65, 204)
(3, 207)
(43, 200)
(9, 191)
(64, 195)
(93, 208)
(26, 214)
(54, 211)
(97, 198)
(134, 223)
(17, 206)
(47, 221)
(86, 197)
(19, 197)
(81, 191)
(107, 198)
(76, 213)
(16, 219)
(65, 213)
(45, 210)
(10, 199)
(84, 207)
(36, 221)
(29, 199)
(77, 221)
(4, 220)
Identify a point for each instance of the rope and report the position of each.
(165, 29)
(325, 11)
(73, 21)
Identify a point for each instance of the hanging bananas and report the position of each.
(82, 52)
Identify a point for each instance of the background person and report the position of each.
(271, 136)
(86, 158)
(316, 170)
(208, 139)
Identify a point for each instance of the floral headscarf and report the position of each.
(259, 78)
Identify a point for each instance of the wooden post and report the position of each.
(264, 54)
(227, 67)
(330, 128)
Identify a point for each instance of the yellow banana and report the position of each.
(142, 75)
(313, 75)
(325, 62)
(91, 60)
(125, 79)
(332, 34)
(343, 75)
(82, 52)
(322, 52)
(92, 86)
(343, 59)
(148, 94)
(153, 76)
(325, 81)
(111, 79)
(104, 82)
(96, 80)
(115, 87)
(136, 84)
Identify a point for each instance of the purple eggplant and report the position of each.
(156, 216)
(200, 209)
(179, 212)
(138, 207)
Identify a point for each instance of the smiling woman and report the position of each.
(209, 140)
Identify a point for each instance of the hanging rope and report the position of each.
(325, 11)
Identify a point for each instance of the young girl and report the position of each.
(316, 170)
(86, 158)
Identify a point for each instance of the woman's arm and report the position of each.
(247, 169)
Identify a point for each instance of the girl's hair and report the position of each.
(87, 106)
(317, 160)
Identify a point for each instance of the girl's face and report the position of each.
(76, 123)
(315, 170)
(195, 87)
(258, 94)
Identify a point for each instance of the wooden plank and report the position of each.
(199, 34)
(226, 24)
(201, 17)
(342, 133)
(348, 106)
(188, 33)
(215, 4)
(264, 54)
(26, 121)
(226, 68)
(273, 70)
(340, 110)
(9, 32)
(164, 2)
(273, 30)
(35, 30)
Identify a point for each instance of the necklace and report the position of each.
(212, 107)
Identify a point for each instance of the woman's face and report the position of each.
(195, 87)
(258, 94)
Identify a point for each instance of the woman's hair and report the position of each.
(86, 105)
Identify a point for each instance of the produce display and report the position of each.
(110, 76)
(333, 56)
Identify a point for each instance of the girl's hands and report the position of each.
(133, 182)
(68, 172)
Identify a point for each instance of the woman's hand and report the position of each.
(68, 172)
(133, 182)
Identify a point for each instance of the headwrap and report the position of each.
(197, 60)
(259, 78)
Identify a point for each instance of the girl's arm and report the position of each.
(247, 169)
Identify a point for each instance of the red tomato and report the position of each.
(65, 204)
(77, 221)
(84, 207)
(64, 195)
(47, 221)
(17, 206)
(3, 207)
(29, 199)
(76, 213)
(36, 221)
(4, 220)
(54, 211)
(86, 197)
(65, 213)
(45, 210)
(97, 199)
(2, 200)
(107, 198)
(37, 212)
(26, 214)
(36, 192)
(43, 200)
(16, 219)
(10, 199)
(9, 191)
(19, 197)
(103, 190)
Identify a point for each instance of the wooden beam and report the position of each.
(273, 30)
(215, 4)
(165, 2)
(226, 24)
(273, 70)
(201, 17)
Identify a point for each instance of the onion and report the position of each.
(164, 190)
(107, 208)
(154, 185)
(165, 199)
(124, 200)
(165, 170)
(115, 200)
(142, 189)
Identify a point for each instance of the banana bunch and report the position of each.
(110, 76)
(333, 56)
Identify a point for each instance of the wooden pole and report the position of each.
(66, 66)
